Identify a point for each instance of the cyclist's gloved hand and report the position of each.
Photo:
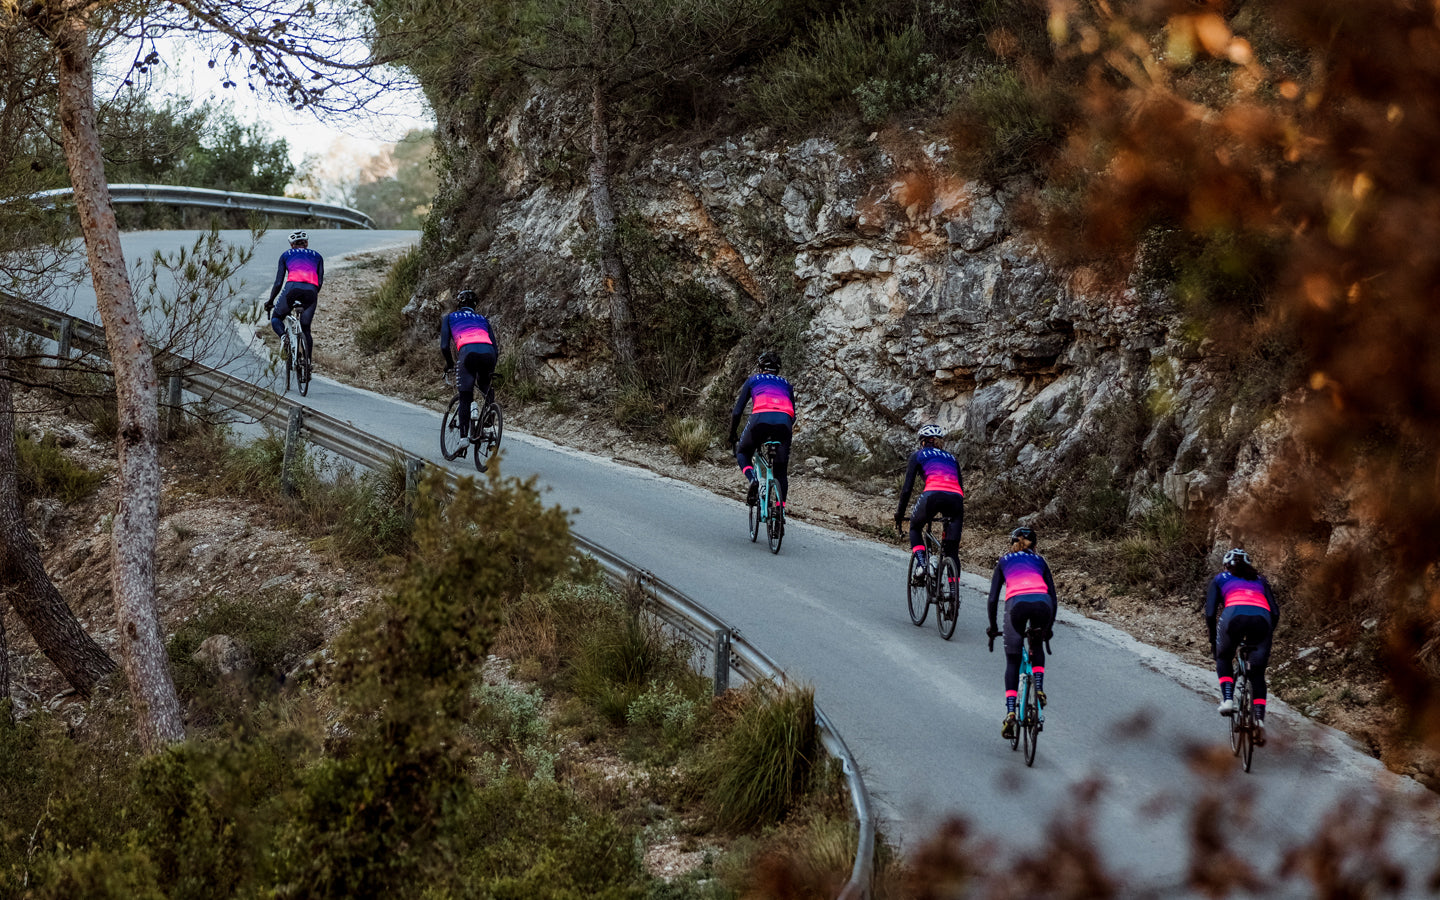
(899, 523)
(992, 631)
(269, 305)
(1049, 633)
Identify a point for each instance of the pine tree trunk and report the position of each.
(136, 390)
(24, 583)
(612, 267)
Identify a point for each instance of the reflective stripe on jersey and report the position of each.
(1239, 592)
(1024, 574)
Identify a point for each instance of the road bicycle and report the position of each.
(768, 508)
(939, 584)
(487, 424)
(1029, 713)
(292, 349)
(1242, 720)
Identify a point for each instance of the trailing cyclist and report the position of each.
(298, 280)
(1240, 609)
(1030, 600)
(944, 493)
(469, 346)
(772, 416)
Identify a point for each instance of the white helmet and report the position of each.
(1236, 555)
(298, 236)
(931, 432)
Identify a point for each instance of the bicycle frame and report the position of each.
(766, 476)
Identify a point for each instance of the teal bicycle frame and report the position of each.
(767, 508)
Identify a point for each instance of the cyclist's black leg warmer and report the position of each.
(481, 366)
(307, 312)
(782, 463)
(466, 398)
(277, 313)
(954, 506)
(923, 512)
(1012, 671)
(1258, 631)
(745, 448)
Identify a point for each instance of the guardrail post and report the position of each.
(173, 411)
(64, 339)
(412, 486)
(292, 448)
(722, 660)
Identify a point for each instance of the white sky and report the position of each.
(338, 139)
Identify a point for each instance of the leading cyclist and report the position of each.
(297, 283)
(772, 417)
(944, 493)
(1030, 599)
(475, 353)
(1240, 608)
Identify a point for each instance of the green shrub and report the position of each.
(691, 437)
(1003, 124)
(763, 765)
(46, 472)
(618, 659)
(667, 710)
(845, 65)
(382, 322)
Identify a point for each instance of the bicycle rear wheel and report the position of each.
(1246, 713)
(776, 523)
(1020, 711)
(947, 606)
(917, 595)
(451, 443)
(754, 512)
(1030, 726)
(287, 350)
(492, 424)
(302, 372)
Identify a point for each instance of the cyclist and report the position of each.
(944, 493)
(475, 352)
(772, 416)
(1239, 608)
(297, 283)
(1030, 599)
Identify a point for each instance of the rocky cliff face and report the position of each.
(917, 300)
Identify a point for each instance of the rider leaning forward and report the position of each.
(1241, 609)
(468, 335)
(1030, 599)
(944, 493)
(772, 417)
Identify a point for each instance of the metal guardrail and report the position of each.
(177, 195)
(729, 650)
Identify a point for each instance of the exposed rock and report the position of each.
(225, 655)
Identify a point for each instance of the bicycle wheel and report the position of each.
(451, 444)
(1019, 711)
(917, 595)
(754, 521)
(287, 351)
(1246, 713)
(302, 372)
(1030, 726)
(776, 523)
(947, 607)
(491, 425)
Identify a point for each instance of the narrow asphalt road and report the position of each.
(922, 715)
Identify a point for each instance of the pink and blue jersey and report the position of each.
(939, 469)
(771, 397)
(1024, 573)
(1230, 592)
(462, 329)
(299, 266)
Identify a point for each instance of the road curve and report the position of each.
(922, 715)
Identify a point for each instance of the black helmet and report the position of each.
(465, 299)
(1024, 533)
(1237, 556)
(769, 361)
